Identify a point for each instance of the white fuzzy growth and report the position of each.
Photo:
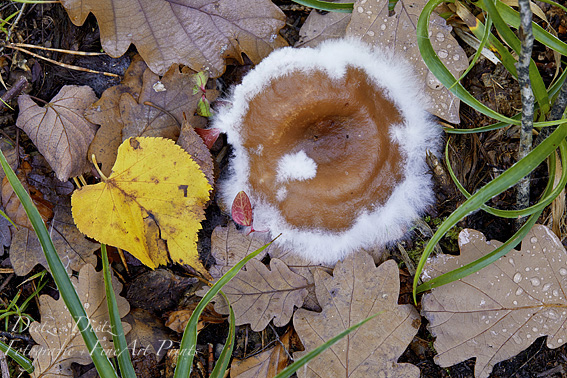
(415, 135)
(297, 166)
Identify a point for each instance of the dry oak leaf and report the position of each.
(73, 248)
(106, 113)
(506, 306)
(320, 26)
(59, 130)
(59, 341)
(372, 23)
(229, 246)
(198, 33)
(357, 290)
(258, 294)
(265, 364)
(151, 205)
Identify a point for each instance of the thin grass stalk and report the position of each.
(226, 354)
(120, 344)
(527, 95)
(545, 199)
(321, 348)
(66, 289)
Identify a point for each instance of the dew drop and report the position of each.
(533, 239)
(535, 281)
(360, 10)
(534, 329)
(515, 303)
(563, 271)
(385, 296)
(482, 302)
(456, 57)
(87, 305)
(519, 291)
(443, 54)
(517, 277)
(560, 341)
(555, 293)
(546, 287)
(527, 269)
(432, 81)
(383, 27)
(517, 339)
(370, 33)
(440, 37)
(511, 261)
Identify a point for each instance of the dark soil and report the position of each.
(476, 159)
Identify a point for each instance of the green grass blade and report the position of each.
(189, 340)
(66, 289)
(549, 195)
(320, 349)
(442, 73)
(327, 5)
(3, 214)
(511, 17)
(120, 344)
(226, 354)
(20, 359)
(507, 179)
(538, 86)
(478, 52)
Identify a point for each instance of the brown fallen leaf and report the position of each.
(193, 144)
(199, 34)
(229, 246)
(59, 130)
(266, 364)
(320, 26)
(372, 23)
(258, 294)
(357, 290)
(171, 96)
(505, 306)
(177, 320)
(71, 246)
(106, 113)
(148, 335)
(13, 206)
(59, 341)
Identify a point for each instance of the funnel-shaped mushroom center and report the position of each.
(344, 126)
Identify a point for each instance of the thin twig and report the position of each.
(523, 68)
(4, 366)
(16, 89)
(69, 66)
(555, 114)
(71, 52)
(21, 11)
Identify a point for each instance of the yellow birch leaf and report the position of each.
(151, 205)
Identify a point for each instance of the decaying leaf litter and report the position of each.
(127, 106)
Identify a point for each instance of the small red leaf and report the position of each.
(209, 136)
(242, 209)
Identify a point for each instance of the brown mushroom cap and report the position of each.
(344, 125)
(329, 144)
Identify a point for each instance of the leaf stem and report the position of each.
(102, 175)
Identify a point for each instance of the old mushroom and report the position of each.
(330, 144)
